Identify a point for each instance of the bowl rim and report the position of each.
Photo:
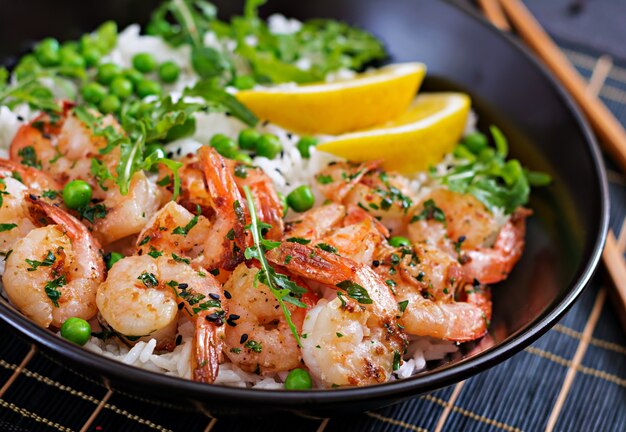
(416, 384)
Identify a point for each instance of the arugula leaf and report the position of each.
(219, 99)
(283, 289)
(486, 174)
(355, 291)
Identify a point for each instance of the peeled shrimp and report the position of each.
(53, 273)
(345, 341)
(143, 297)
(471, 233)
(260, 339)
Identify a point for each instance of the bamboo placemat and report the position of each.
(574, 377)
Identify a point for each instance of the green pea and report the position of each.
(242, 157)
(399, 241)
(304, 145)
(70, 58)
(169, 72)
(122, 87)
(91, 55)
(224, 145)
(112, 258)
(110, 104)
(298, 379)
(155, 149)
(301, 199)
(244, 82)
(148, 87)
(248, 139)
(76, 330)
(475, 142)
(144, 62)
(47, 52)
(268, 145)
(93, 92)
(77, 193)
(133, 75)
(107, 72)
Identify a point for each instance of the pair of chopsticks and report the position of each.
(611, 133)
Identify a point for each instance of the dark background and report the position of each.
(572, 21)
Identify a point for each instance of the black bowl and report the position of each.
(508, 87)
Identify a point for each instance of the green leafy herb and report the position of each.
(47, 262)
(326, 247)
(397, 360)
(430, 212)
(283, 289)
(29, 157)
(92, 212)
(50, 194)
(355, 291)
(254, 346)
(185, 230)
(324, 179)
(299, 240)
(402, 305)
(180, 259)
(487, 175)
(148, 279)
(7, 226)
(51, 289)
(154, 253)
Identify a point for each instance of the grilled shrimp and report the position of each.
(385, 196)
(14, 214)
(143, 297)
(126, 215)
(258, 337)
(53, 273)
(36, 180)
(63, 147)
(353, 339)
(464, 228)
(429, 285)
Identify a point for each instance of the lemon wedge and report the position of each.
(413, 141)
(338, 107)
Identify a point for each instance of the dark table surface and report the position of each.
(575, 374)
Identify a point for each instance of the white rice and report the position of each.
(288, 171)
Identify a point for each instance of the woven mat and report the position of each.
(574, 376)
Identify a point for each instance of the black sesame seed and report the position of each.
(375, 263)
(179, 340)
(46, 136)
(231, 323)
(179, 151)
(214, 296)
(212, 317)
(476, 282)
(244, 338)
(227, 295)
(169, 155)
(461, 239)
(183, 286)
(181, 305)
(234, 317)
(289, 135)
(20, 118)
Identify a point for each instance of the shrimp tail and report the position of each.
(206, 351)
(313, 264)
(228, 204)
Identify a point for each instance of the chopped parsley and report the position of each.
(47, 262)
(180, 259)
(7, 226)
(326, 247)
(430, 212)
(255, 346)
(298, 240)
(51, 289)
(29, 157)
(324, 179)
(148, 279)
(355, 291)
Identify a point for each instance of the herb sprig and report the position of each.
(486, 173)
(283, 289)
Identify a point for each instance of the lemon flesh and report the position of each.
(414, 140)
(342, 106)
